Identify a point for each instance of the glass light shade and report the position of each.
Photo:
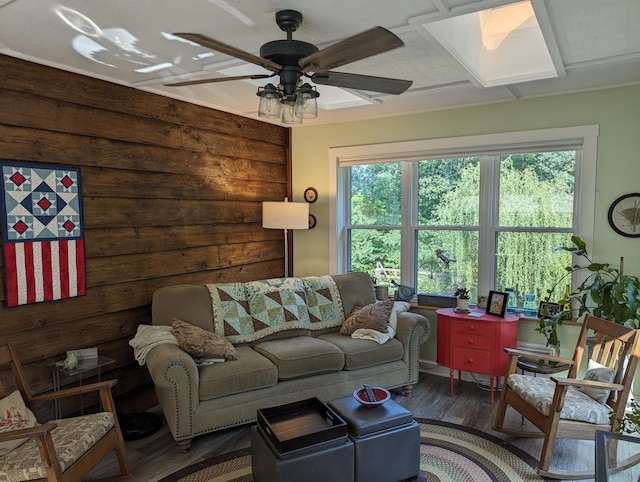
(285, 215)
(306, 103)
(270, 105)
(289, 113)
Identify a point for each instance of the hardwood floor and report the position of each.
(158, 455)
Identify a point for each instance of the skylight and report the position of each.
(498, 46)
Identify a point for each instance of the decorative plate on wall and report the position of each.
(624, 215)
(311, 195)
(312, 221)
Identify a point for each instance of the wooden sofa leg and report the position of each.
(407, 390)
(185, 444)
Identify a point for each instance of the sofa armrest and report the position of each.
(412, 330)
(176, 379)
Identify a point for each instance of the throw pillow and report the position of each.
(599, 373)
(14, 415)
(374, 317)
(202, 343)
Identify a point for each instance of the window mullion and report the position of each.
(488, 219)
(408, 260)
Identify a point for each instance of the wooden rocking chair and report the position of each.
(59, 450)
(571, 407)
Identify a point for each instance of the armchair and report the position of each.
(59, 450)
(571, 407)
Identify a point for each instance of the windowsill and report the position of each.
(530, 319)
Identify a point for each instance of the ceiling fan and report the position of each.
(292, 59)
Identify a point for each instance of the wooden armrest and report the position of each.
(578, 383)
(36, 431)
(68, 392)
(537, 356)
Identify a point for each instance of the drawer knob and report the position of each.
(471, 342)
(472, 328)
(470, 360)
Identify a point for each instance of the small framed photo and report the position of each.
(497, 303)
(549, 309)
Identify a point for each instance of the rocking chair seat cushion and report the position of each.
(538, 392)
(71, 438)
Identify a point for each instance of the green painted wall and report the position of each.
(616, 111)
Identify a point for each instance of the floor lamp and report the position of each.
(285, 215)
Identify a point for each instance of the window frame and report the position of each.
(584, 137)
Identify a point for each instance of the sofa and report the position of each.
(287, 335)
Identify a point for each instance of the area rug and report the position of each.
(448, 453)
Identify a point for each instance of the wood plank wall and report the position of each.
(172, 194)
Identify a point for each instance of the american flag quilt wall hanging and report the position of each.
(42, 233)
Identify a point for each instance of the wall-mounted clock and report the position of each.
(624, 215)
(312, 221)
(310, 195)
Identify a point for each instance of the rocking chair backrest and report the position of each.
(615, 346)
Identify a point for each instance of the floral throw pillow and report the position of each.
(14, 415)
(202, 343)
(374, 317)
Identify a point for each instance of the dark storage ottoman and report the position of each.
(304, 441)
(386, 440)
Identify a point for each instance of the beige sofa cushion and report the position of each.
(301, 356)
(365, 353)
(249, 372)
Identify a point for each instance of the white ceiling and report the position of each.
(594, 44)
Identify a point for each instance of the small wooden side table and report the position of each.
(79, 371)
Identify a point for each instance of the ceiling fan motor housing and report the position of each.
(287, 53)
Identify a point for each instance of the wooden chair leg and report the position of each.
(502, 408)
(407, 390)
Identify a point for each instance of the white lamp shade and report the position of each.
(285, 215)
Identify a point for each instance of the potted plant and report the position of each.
(462, 295)
(605, 293)
(630, 423)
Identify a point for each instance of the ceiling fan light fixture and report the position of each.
(270, 101)
(306, 103)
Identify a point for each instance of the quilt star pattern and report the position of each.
(42, 233)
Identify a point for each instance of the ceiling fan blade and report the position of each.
(229, 50)
(360, 46)
(385, 85)
(218, 79)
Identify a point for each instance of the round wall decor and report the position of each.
(312, 221)
(310, 195)
(624, 215)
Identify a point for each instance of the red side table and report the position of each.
(475, 345)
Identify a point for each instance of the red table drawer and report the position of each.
(481, 329)
(473, 341)
(469, 360)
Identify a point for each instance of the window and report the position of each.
(478, 212)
